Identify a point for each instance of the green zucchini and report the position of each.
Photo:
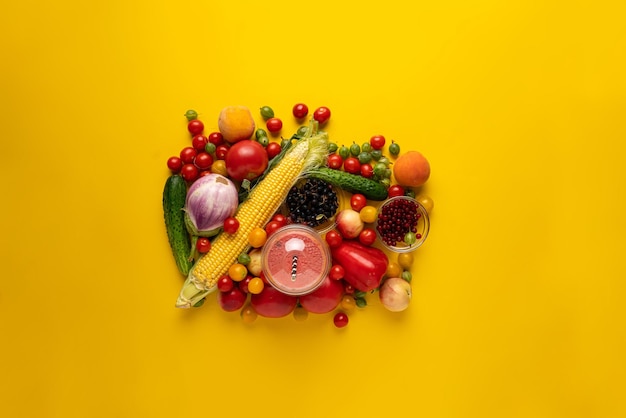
(174, 195)
(352, 183)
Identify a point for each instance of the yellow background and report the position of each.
(518, 292)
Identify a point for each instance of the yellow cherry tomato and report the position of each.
(237, 272)
(405, 260)
(257, 237)
(426, 201)
(219, 167)
(368, 214)
(347, 303)
(393, 269)
(248, 314)
(256, 285)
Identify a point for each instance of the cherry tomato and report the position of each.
(204, 173)
(272, 227)
(237, 272)
(195, 127)
(243, 285)
(395, 190)
(321, 114)
(340, 320)
(335, 161)
(231, 225)
(203, 161)
(216, 138)
(300, 110)
(274, 124)
(405, 260)
(225, 283)
(248, 314)
(280, 218)
(358, 201)
(367, 170)
(336, 272)
(256, 285)
(189, 172)
(273, 149)
(203, 245)
(187, 155)
(232, 300)
(352, 165)
(174, 164)
(333, 238)
(300, 314)
(247, 159)
(368, 214)
(367, 236)
(393, 269)
(377, 141)
(199, 142)
(347, 303)
(257, 237)
(219, 167)
(221, 151)
(349, 289)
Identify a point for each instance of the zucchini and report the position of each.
(174, 195)
(352, 183)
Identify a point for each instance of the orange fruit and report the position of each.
(411, 169)
(236, 123)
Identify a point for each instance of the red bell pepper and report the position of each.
(364, 266)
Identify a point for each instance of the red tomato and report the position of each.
(246, 159)
(225, 283)
(199, 142)
(174, 164)
(195, 127)
(273, 149)
(333, 238)
(336, 272)
(340, 320)
(280, 218)
(203, 245)
(189, 172)
(300, 110)
(233, 300)
(395, 190)
(203, 161)
(231, 225)
(274, 124)
(367, 236)
(377, 141)
(216, 138)
(324, 299)
(187, 155)
(221, 151)
(367, 170)
(348, 288)
(352, 165)
(335, 161)
(272, 227)
(358, 201)
(243, 285)
(272, 303)
(321, 114)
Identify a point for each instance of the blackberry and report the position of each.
(312, 202)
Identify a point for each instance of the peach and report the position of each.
(235, 123)
(411, 169)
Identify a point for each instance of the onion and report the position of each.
(395, 294)
(210, 200)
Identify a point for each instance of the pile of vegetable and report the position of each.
(232, 188)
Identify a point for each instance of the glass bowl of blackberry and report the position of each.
(402, 224)
(314, 203)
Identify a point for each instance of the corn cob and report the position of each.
(261, 204)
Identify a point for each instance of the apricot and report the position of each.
(411, 169)
(236, 123)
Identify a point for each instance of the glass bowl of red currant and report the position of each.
(402, 224)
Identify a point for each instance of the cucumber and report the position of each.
(174, 195)
(352, 183)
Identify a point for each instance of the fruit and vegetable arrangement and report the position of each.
(302, 224)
